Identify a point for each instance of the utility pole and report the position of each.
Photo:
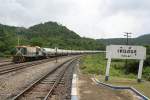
(127, 42)
(127, 37)
(18, 40)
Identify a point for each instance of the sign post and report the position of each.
(107, 69)
(56, 50)
(140, 70)
(125, 52)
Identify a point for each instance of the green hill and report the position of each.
(54, 30)
(141, 40)
(144, 40)
(49, 34)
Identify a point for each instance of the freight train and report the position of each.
(30, 53)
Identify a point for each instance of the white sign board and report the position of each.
(125, 52)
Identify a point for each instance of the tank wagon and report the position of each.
(30, 53)
(49, 52)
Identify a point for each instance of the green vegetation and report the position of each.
(7, 39)
(132, 66)
(96, 64)
(93, 64)
(50, 34)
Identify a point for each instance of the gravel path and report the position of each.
(5, 59)
(12, 83)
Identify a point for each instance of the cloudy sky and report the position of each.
(89, 18)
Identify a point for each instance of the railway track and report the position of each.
(6, 63)
(1, 61)
(14, 67)
(54, 85)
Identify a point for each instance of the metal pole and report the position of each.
(107, 69)
(18, 40)
(140, 70)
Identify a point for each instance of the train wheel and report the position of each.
(23, 59)
(20, 59)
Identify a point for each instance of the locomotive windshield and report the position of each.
(22, 50)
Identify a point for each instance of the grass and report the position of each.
(96, 64)
(92, 64)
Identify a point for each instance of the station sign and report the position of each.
(125, 52)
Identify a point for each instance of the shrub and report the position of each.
(132, 67)
(146, 73)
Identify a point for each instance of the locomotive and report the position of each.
(30, 53)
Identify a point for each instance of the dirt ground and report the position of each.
(88, 90)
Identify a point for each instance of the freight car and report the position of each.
(49, 52)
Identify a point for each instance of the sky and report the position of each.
(88, 18)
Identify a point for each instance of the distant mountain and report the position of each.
(141, 40)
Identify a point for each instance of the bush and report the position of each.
(132, 67)
(147, 61)
(1, 54)
(146, 73)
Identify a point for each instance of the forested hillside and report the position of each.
(7, 39)
(48, 34)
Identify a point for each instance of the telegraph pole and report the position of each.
(127, 35)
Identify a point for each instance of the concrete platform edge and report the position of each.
(120, 87)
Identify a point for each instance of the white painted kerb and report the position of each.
(74, 95)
